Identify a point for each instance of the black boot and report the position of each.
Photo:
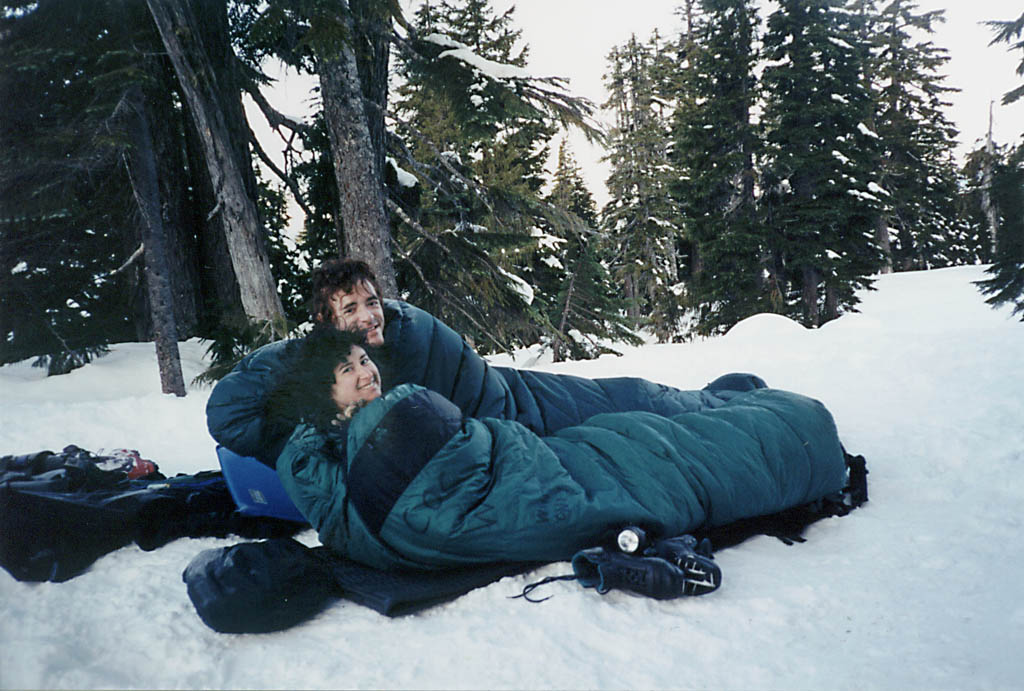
(651, 576)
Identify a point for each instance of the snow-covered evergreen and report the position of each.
(819, 159)
(583, 304)
(714, 143)
(642, 223)
(918, 172)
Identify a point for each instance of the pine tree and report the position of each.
(1010, 32)
(479, 151)
(918, 170)
(196, 38)
(1006, 285)
(821, 197)
(1005, 190)
(640, 220)
(68, 215)
(580, 299)
(50, 304)
(714, 144)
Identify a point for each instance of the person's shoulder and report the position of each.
(403, 311)
(409, 327)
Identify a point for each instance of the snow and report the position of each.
(866, 131)
(839, 156)
(546, 240)
(840, 42)
(495, 70)
(862, 195)
(404, 177)
(521, 287)
(920, 588)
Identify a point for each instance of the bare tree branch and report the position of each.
(283, 176)
(128, 262)
(275, 117)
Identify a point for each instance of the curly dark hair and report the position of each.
(335, 275)
(304, 394)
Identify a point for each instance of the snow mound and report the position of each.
(766, 327)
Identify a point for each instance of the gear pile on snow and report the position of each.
(60, 512)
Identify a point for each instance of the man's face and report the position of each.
(360, 311)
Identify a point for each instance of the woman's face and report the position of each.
(356, 380)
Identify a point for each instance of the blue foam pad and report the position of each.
(255, 487)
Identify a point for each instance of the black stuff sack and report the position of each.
(259, 587)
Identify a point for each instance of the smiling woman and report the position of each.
(331, 379)
(356, 381)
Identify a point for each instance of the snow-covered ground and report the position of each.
(921, 588)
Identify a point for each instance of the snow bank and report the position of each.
(919, 588)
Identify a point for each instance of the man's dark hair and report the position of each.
(335, 275)
(304, 394)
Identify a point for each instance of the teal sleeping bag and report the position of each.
(412, 482)
(420, 349)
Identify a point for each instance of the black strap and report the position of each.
(857, 490)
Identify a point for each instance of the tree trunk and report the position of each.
(831, 301)
(882, 237)
(632, 308)
(558, 345)
(204, 89)
(146, 187)
(696, 261)
(809, 296)
(221, 300)
(987, 205)
(167, 126)
(358, 163)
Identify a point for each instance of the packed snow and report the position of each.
(923, 587)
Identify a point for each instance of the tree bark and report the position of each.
(146, 187)
(882, 237)
(221, 300)
(831, 301)
(207, 91)
(167, 125)
(809, 296)
(357, 158)
(987, 204)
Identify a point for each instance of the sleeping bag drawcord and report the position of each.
(529, 587)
